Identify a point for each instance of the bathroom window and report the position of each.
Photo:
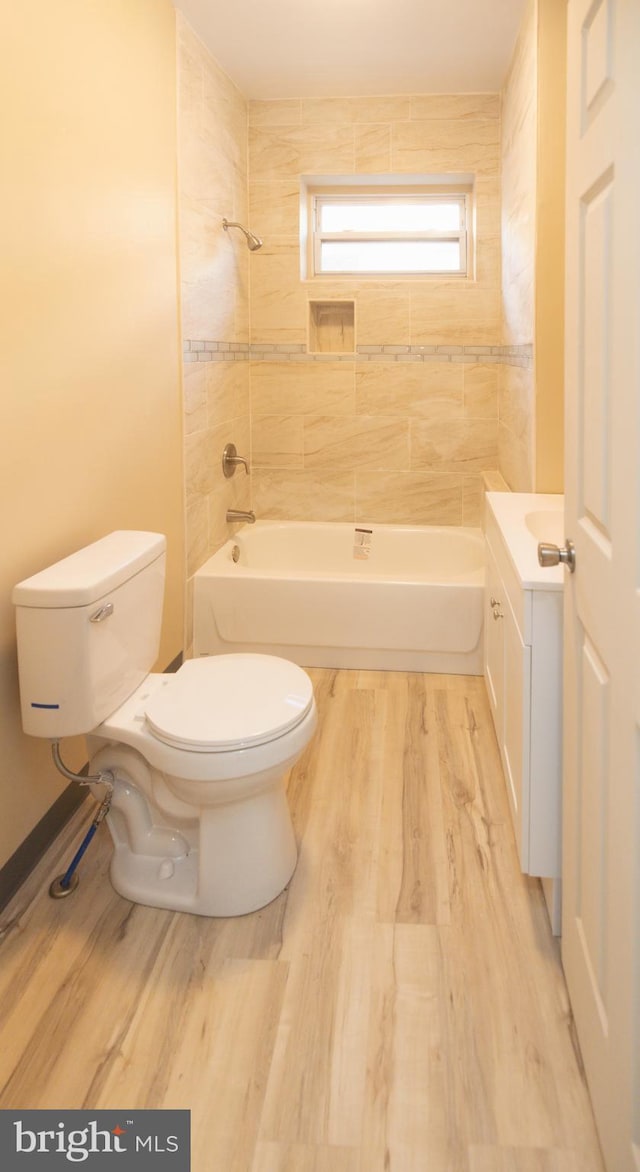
(391, 233)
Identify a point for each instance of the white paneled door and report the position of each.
(601, 867)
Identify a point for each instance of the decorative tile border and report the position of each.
(195, 351)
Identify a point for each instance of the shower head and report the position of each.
(254, 242)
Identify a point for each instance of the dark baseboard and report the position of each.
(29, 853)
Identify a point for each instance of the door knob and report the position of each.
(552, 555)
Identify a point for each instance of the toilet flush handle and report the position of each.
(102, 613)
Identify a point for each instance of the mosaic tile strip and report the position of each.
(199, 351)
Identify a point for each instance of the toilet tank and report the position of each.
(88, 632)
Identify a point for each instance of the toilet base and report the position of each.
(245, 857)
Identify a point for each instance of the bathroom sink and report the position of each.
(524, 519)
(546, 525)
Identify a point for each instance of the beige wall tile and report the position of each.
(197, 175)
(278, 300)
(281, 113)
(232, 493)
(436, 147)
(467, 107)
(381, 109)
(472, 500)
(188, 620)
(277, 441)
(355, 442)
(293, 151)
(494, 482)
(514, 460)
(431, 133)
(488, 205)
(197, 535)
(410, 498)
(224, 106)
(242, 317)
(440, 406)
(204, 257)
(304, 495)
(274, 210)
(333, 289)
(488, 261)
(519, 151)
(481, 382)
(194, 389)
(516, 396)
(516, 427)
(372, 148)
(518, 283)
(214, 267)
(235, 495)
(215, 287)
(198, 465)
(215, 301)
(420, 390)
(488, 231)
(189, 67)
(326, 111)
(332, 111)
(303, 388)
(468, 445)
(228, 389)
(196, 316)
(213, 143)
(448, 134)
(383, 315)
(459, 313)
(209, 493)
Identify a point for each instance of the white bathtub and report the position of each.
(390, 597)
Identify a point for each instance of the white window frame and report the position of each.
(397, 194)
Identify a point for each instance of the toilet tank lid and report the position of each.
(92, 572)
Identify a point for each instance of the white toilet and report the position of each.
(199, 817)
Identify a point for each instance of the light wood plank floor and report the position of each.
(400, 1008)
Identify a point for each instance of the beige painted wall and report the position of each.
(530, 441)
(214, 264)
(550, 239)
(91, 426)
(519, 180)
(384, 437)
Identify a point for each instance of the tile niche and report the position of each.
(331, 327)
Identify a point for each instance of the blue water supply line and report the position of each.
(68, 882)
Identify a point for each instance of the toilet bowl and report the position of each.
(208, 750)
(199, 816)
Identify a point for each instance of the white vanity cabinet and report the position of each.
(523, 672)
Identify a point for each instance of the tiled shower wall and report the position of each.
(214, 271)
(519, 187)
(436, 389)
(400, 430)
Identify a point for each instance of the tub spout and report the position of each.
(240, 515)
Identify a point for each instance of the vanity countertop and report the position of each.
(524, 519)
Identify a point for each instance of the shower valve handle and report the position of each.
(231, 459)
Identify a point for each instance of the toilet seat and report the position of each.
(223, 703)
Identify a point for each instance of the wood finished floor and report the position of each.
(400, 1008)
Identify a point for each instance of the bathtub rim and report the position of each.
(221, 564)
(344, 656)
